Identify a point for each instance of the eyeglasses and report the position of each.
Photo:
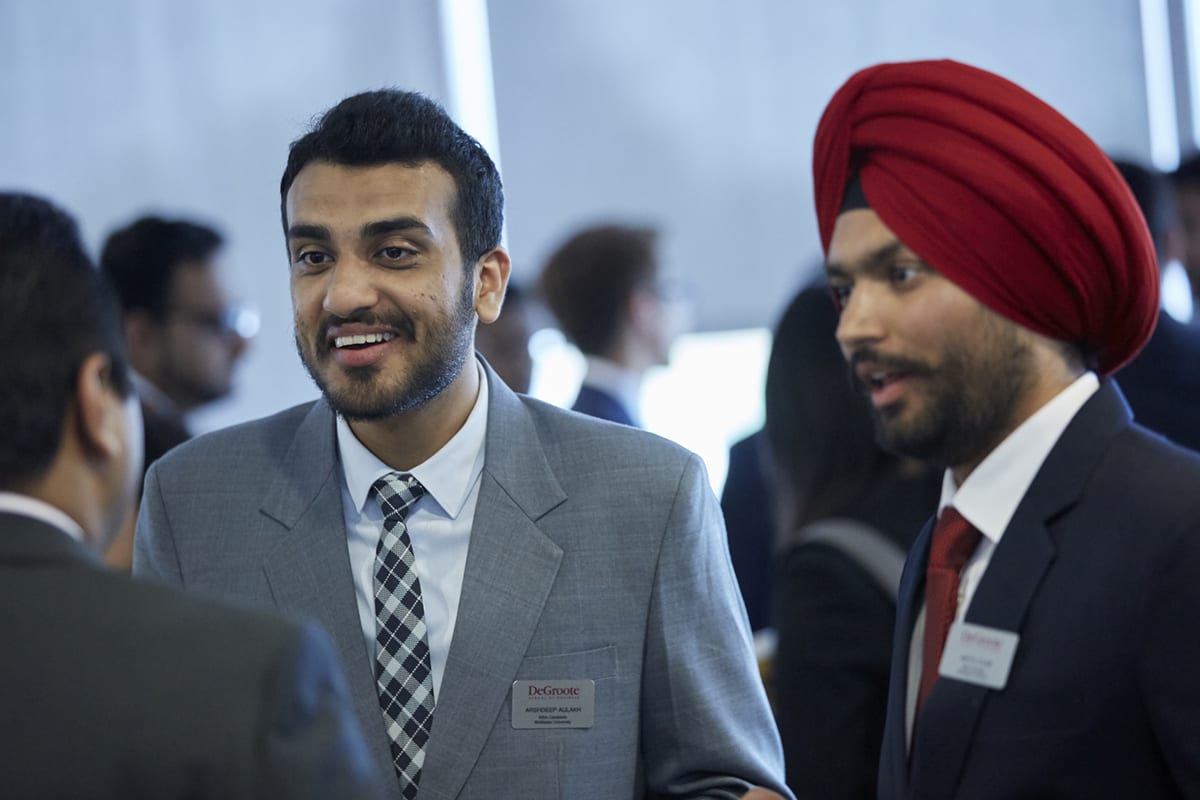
(239, 319)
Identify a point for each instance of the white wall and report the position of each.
(693, 113)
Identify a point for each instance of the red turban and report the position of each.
(999, 193)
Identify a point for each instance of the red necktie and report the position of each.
(954, 540)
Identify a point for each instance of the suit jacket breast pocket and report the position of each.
(600, 665)
(529, 763)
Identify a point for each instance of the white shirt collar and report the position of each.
(611, 377)
(447, 475)
(990, 495)
(26, 506)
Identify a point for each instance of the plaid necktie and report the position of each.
(402, 670)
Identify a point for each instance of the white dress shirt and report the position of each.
(439, 525)
(989, 497)
(26, 506)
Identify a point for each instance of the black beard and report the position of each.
(971, 401)
(447, 350)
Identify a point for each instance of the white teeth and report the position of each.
(369, 338)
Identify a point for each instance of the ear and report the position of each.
(491, 280)
(143, 339)
(100, 409)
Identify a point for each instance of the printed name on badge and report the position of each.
(978, 654)
(553, 704)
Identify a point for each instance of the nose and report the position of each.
(861, 320)
(350, 288)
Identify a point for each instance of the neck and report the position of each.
(412, 437)
(74, 494)
(1055, 376)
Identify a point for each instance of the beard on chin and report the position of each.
(368, 393)
(967, 407)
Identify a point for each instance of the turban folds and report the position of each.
(999, 193)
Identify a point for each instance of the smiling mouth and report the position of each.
(362, 340)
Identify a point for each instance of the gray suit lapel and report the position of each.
(309, 571)
(511, 567)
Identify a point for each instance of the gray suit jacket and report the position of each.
(117, 688)
(597, 552)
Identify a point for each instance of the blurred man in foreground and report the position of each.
(114, 688)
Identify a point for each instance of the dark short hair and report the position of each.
(820, 434)
(588, 280)
(391, 126)
(56, 309)
(142, 258)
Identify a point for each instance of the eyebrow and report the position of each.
(318, 232)
(872, 262)
(396, 225)
(383, 227)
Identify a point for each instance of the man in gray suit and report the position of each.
(528, 603)
(112, 687)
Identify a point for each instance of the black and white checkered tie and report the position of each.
(402, 670)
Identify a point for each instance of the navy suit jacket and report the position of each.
(1099, 574)
(597, 403)
(748, 503)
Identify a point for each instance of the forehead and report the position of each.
(331, 194)
(857, 235)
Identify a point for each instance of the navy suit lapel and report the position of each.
(1026, 551)
(309, 571)
(511, 567)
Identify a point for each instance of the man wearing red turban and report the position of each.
(992, 266)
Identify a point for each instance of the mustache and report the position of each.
(401, 323)
(888, 363)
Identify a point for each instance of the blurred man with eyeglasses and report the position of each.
(183, 333)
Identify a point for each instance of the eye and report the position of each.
(312, 258)
(397, 252)
(841, 294)
(900, 274)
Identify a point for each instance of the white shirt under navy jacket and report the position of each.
(989, 497)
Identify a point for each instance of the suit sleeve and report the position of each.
(309, 744)
(1170, 651)
(154, 554)
(707, 730)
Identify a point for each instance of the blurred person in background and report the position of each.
(1162, 384)
(613, 301)
(505, 342)
(747, 503)
(848, 512)
(183, 334)
(1186, 182)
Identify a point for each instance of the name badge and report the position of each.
(979, 655)
(553, 704)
